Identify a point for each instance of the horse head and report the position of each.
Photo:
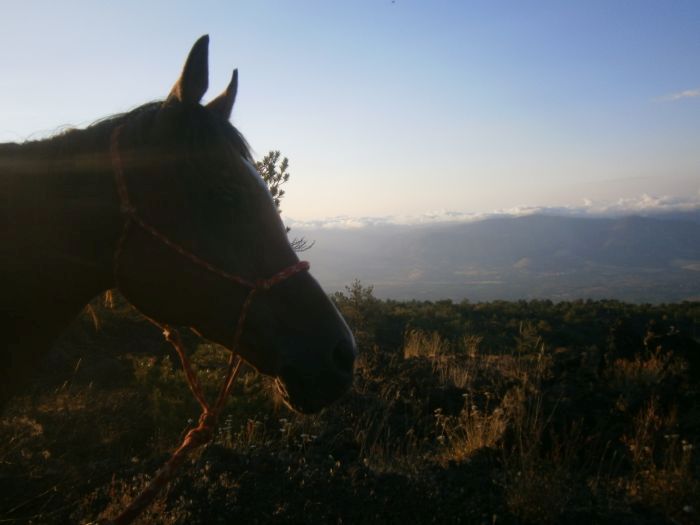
(187, 173)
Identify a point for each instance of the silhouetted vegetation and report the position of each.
(273, 169)
(501, 412)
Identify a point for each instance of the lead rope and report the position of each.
(204, 431)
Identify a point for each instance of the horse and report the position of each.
(164, 204)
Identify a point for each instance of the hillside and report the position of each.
(638, 259)
(510, 413)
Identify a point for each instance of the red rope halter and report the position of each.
(204, 431)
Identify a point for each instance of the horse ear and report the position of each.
(194, 80)
(223, 104)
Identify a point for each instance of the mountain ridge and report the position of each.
(633, 258)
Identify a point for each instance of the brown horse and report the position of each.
(189, 175)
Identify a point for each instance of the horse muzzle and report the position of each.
(307, 388)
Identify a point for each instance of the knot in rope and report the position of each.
(127, 209)
(263, 285)
(203, 432)
(208, 419)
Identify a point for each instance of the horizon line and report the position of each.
(646, 206)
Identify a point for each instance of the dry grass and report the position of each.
(538, 463)
(511, 432)
(469, 432)
(541, 466)
(418, 343)
(643, 372)
(662, 463)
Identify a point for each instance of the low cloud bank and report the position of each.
(645, 205)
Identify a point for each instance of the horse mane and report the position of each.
(97, 134)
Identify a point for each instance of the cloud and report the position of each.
(343, 222)
(688, 93)
(644, 204)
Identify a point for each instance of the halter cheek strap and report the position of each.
(210, 412)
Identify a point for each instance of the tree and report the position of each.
(274, 173)
(361, 309)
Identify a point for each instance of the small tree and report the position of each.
(361, 309)
(274, 173)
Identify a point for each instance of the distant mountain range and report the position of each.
(639, 259)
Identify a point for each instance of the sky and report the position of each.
(400, 108)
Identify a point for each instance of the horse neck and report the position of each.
(60, 223)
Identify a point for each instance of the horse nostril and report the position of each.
(344, 355)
